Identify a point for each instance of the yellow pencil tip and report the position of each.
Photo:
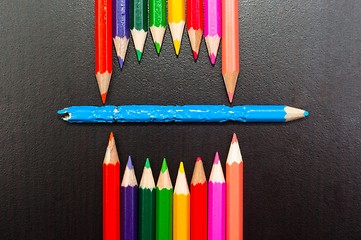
(176, 44)
(181, 167)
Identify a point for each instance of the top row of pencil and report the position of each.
(116, 19)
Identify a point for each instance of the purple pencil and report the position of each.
(216, 202)
(212, 27)
(129, 204)
(121, 28)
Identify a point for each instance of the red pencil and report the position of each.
(199, 202)
(103, 45)
(195, 24)
(111, 192)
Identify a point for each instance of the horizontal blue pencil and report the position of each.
(121, 29)
(186, 113)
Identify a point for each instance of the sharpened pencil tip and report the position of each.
(147, 163)
(234, 138)
(121, 62)
(181, 167)
(198, 159)
(306, 114)
(139, 55)
(111, 137)
(104, 97)
(195, 55)
(212, 57)
(230, 97)
(157, 47)
(176, 44)
(164, 165)
(216, 158)
(130, 163)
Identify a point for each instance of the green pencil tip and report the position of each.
(139, 55)
(306, 114)
(147, 163)
(157, 47)
(164, 165)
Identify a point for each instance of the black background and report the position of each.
(302, 179)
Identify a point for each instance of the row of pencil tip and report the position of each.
(206, 210)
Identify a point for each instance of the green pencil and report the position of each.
(157, 21)
(146, 203)
(139, 24)
(164, 204)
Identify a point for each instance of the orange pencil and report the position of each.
(111, 192)
(234, 183)
(230, 46)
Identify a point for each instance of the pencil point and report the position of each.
(213, 59)
(139, 55)
(129, 163)
(181, 167)
(147, 163)
(111, 137)
(230, 97)
(198, 159)
(164, 165)
(104, 97)
(234, 138)
(176, 44)
(121, 62)
(157, 47)
(216, 158)
(306, 114)
(195, 55)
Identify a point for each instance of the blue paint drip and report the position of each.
(186, 113)
(121, 23)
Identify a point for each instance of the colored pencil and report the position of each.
(234, 183)
(111, 192)
(212, 27)
(181, 207)
(139, 24)
(103, 45)
(157, 22)
(199, 202)
(230, 46)
(195, 24)
(129, 203)
(186, 113)
(147, 204)
(164, 204)
(121, 29)
(216, 202)
(176, 21)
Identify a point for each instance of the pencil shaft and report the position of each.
(212, 27)
(216, 211)
(176, 21)
(164, 206)
(121, 28)
(186, 113)
(157, 21)
(111, 199)
(199, 211)
(181, 207)
(146, 214)
(129, 209)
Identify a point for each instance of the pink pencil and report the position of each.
(212, 27)
(216, 202)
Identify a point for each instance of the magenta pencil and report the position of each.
(212, 27)
(216, 202)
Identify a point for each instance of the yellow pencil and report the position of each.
(181, 207)
(176, 21)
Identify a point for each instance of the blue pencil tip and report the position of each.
(129, 163)
(121, 62)
(306, 114)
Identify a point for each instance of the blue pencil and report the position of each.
(186, 113)
(121, 28)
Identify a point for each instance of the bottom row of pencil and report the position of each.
(157, 212)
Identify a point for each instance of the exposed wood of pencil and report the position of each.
(198, 190)
(234, 196)
(230, 46)
(103, 45)
(111, 192)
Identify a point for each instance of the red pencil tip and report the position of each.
(234, 138)
(104, 97)
(230, 97)
(198, 159)
(195, 55)
(111, 137)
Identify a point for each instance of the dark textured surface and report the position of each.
(302, 179)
